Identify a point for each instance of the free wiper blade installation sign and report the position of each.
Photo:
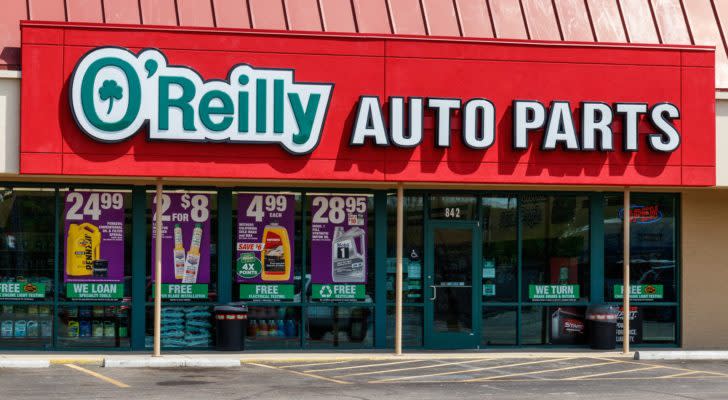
(136, 102)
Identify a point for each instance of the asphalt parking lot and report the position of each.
(548, 378)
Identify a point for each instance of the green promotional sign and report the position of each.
(640, 292)
(178, 291)
(248, 266)
(337, 292)
(553, 292)
(22, 290)
(86, 290)
(266, 292)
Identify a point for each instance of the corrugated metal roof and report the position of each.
(702, 22)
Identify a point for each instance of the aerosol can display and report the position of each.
(348, 252)
(276, 254)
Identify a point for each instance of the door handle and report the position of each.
(434, 292)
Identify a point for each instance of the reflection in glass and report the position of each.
(653, 246)
(413, 257)
(499, 326)
(453, 277)
(412, 326)
(339, 326)
(500, 253)
(273, 327)
(93, 326)
(555, 247)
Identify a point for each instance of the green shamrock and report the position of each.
(110, 90)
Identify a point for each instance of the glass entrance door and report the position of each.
(451, 317)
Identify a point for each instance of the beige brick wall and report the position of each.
(705, 269)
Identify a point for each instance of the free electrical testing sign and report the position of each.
(185, 245)
(338, 247)
(93, 233)
(264, 263)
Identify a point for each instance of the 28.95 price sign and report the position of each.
(94, 244)
(338, 247)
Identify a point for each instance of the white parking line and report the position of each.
(363, 366)
(402, 378)
(442, 364)
(490, 378)
(300, 373)
(624, 371)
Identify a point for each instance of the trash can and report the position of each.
(602, 326)
(231, 324)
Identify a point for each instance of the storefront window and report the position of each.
(339, 326)
(27, 217)
(553, 325)
(412, 255)
(500, 249)
(182, 326)
(412, 326)
(91, 326)
(555, 248)
(499, 326)
(653, 247)
(272, 327)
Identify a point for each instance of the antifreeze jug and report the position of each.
(348, 252)
(276, 254)
(83, 247)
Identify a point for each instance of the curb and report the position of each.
(24, 363)
(682, 355)
(149, 362)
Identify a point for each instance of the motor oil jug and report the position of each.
(348, 251)
(83, 247)
(276, 254)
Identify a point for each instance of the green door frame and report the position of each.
(436, 340)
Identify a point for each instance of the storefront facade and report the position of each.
(280, 156)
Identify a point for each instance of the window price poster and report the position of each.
(265, 245)
(185, 245)
(93, 239)
(338, 247)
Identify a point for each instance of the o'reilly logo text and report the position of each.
(114, 92)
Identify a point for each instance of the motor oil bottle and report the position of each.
(179, 253)
(276, 254)
(348, 251)
(192, 262)
(83, 247)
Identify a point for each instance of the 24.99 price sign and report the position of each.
(185, 245)
(338, 247)
(94, 245)
(264, 264)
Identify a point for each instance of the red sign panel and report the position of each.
(107, 100)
